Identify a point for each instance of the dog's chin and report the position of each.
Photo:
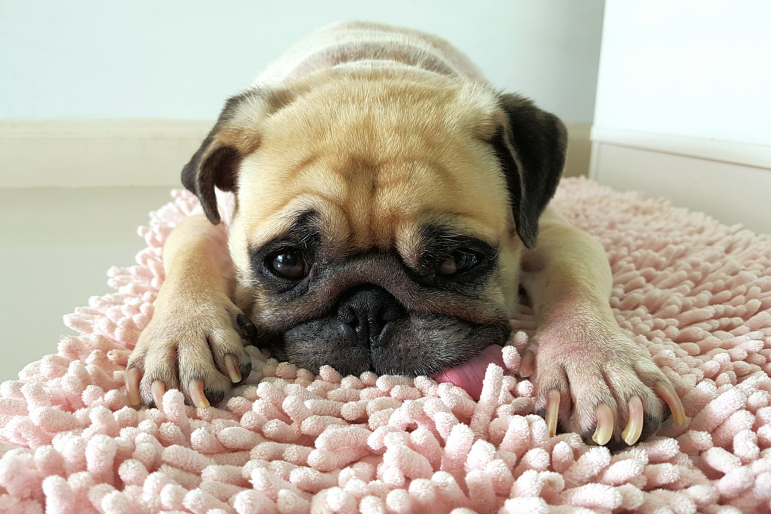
(412, 346)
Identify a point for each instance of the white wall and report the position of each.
(688, 81)
(178, 59)
(689, 68)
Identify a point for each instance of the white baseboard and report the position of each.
(125, 152)
(101, 152)
(717, 180)
(747, 154)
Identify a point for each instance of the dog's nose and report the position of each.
(367, 311)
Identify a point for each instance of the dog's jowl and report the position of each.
(372, 203)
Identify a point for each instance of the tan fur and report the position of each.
(374, 178)
(376, 154)
(193, 325)
(581, 351)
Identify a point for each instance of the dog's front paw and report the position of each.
(193, 343)
(593, 380)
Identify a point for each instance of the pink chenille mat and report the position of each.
(696, 293)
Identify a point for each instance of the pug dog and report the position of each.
(372, 203)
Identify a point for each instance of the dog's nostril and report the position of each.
(347, 315)
(367, 309)
(391, 312)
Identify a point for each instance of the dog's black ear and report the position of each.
(531, 148)
(236, 134)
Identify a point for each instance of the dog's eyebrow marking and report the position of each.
(438, 239)
(304, 232)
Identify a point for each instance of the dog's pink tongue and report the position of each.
(469, 376)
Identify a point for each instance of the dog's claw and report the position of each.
(158, 389)
(552, 411)
(526, 366)
(604, 424)
(247, 326)
(133, 377)
(196, 393)
(231, 363)
(634, 428)
(667, 393)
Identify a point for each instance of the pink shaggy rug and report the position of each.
(696, 293)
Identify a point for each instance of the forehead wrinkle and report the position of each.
(362, 156)
(381, 195)
(297, 169)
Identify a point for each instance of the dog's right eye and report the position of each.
(288, 264)
(459, 262)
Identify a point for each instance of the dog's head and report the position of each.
(381, 216)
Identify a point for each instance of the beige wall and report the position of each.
(579, 149)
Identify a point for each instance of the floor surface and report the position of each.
(56, 246)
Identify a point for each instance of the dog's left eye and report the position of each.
(289, 264)
(458, 262)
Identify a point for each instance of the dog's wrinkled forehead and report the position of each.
(376, 161)
(391, 145)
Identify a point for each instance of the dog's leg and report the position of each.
(193, 342)
(590, 376)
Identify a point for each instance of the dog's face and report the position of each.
(381, 216)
